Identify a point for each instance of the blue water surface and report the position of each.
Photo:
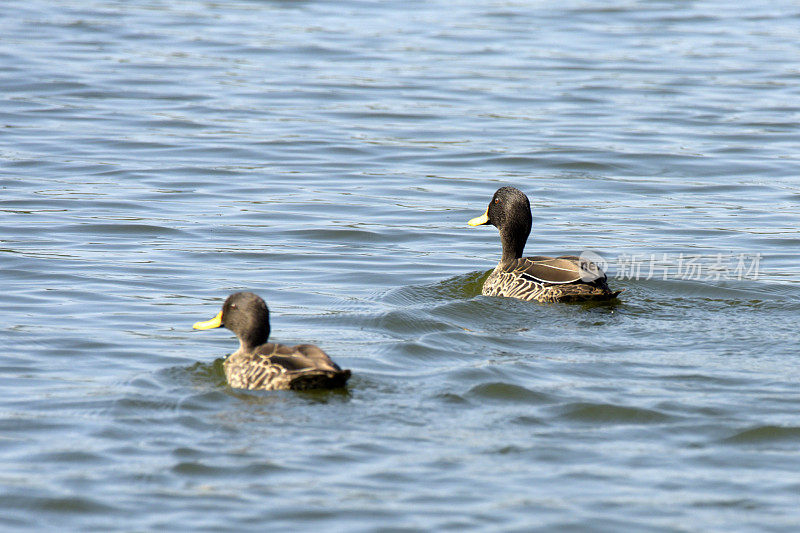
(156, 156)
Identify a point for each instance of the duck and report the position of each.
(262, 365)
(538, 278)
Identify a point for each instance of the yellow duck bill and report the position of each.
(477, 221)
(209, 324)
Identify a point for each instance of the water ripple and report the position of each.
(157, 156)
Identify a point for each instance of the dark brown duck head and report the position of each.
(510, 212)
(245, 314)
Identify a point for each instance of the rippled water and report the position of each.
(157, 156)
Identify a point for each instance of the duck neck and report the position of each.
(513, 238)
(248, 343)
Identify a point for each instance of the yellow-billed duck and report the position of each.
(545, 279)
(259, 364)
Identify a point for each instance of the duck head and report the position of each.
(510, 212)
(245, 314)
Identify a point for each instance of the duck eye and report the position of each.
(233, 306)
(497, 200)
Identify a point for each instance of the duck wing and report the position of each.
(277, 366)
(302, 367)
(295, 358)
(557, 270)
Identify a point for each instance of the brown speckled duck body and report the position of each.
(262, 365)
(544, 279)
